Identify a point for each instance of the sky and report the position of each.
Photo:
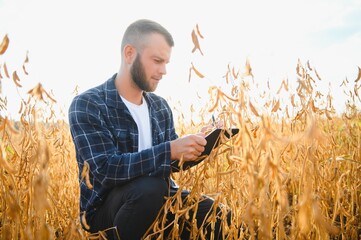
(76, 43)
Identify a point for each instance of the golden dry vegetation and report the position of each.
(293, 172)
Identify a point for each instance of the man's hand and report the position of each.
(208, 128)
(188, 148)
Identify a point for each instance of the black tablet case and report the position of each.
(213, 141)
(214, 137)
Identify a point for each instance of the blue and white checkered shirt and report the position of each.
(106, 137)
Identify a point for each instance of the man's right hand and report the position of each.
(188, 148)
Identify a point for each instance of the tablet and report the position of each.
(214, 137)
(213, 141)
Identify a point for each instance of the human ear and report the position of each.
(129, 53)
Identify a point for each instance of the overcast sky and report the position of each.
(72, 42)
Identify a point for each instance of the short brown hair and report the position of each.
(138, 30)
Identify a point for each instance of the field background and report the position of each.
(293, 172)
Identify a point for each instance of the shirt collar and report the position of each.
(112, 98)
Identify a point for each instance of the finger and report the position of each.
(220, 124)
(206, 128)
(201, 134)
(196, 155)
(200, 139)
(190, 156)
(198, 149)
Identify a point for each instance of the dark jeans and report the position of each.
(132, 209)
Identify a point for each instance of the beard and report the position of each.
(139, 77)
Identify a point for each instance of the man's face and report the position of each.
(149, 67)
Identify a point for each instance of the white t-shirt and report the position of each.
(140, 114)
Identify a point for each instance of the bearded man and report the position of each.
(124, 135)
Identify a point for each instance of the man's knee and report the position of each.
(149, 190)
(143, 201)
(145, 198)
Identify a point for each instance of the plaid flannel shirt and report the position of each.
(106, 137)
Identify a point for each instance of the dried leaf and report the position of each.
(280, 88)
(267, 104)
(285, 85)
(190, 74)
(199, 96)
(328, 115)
(276, 106)
(26, 61)
(227, 73)
(48, 95)
(226, 76)
(359, 75)
(4, 163)
(214, 106)
(198, 32)
(76, 90)
(38, 92)
(298, 68)
(248, 69)
(21, 107)
(6, 70)
(216, 101)
(197, 72)
(27, 57)
(343, 83)
(84, 222)
(234, 91)
(355, 89)
(253, 109)
(4, 44)
(314, 108)
(299, 115)
(16, 79)
(304, 216)
(24, 69)
(311, 79)
(309, 66)
(196, 43)
(254, 130)
(318, 76)
(85, 175)
(318, 95)
(235, 75)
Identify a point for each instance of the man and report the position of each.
(125, 135)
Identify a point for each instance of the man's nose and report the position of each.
(163, 69)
